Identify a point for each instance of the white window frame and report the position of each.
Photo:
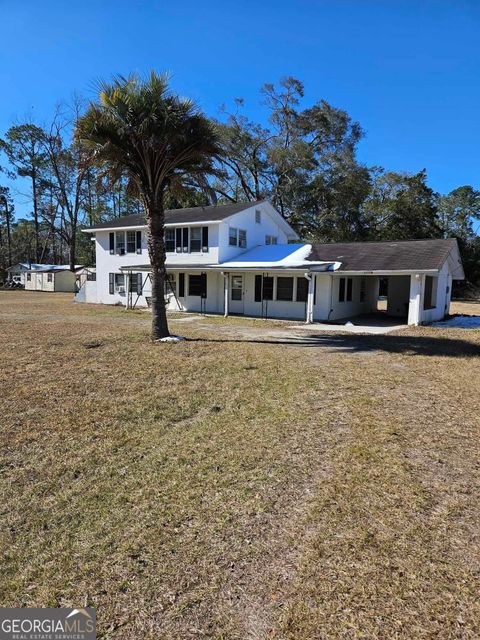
(237, 278)
(271, 239)
(232, 237)
(242, 238)
(118, 250)
(199, 239)
(134, 241)
(292, 299)
(173, 231)
(116, 285)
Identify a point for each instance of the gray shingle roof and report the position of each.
(180, 216)
(408, 255)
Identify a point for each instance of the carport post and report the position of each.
(416, 298)
(310, 295)
(225, 294)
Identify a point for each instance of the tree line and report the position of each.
(305, 160)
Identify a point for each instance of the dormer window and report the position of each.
(258, 216)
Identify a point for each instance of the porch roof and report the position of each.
(261, 258)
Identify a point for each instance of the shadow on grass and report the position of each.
(410, 345)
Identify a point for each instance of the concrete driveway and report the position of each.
(236, 327)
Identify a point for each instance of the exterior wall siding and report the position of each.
(255, 232)
(443, 293)
(347, 309)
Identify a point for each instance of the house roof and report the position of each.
(278, 256)
(212, 213)
(347, 257)
(404, 255)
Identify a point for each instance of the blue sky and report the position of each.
(408, 71)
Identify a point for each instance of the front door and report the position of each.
(236, 294)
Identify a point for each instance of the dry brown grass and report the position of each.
(466, 308)
(238, 490)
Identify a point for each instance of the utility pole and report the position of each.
(3, 197)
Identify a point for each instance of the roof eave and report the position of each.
(385, 272)
(144, 226)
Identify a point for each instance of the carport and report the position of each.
(406, 280)
(386, 298)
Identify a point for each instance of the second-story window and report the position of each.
(120, 242)
(170, 240)
(131, 242)
(258, 216)
(242, 238)
(271, 239)
(233, 237)
(195, 239)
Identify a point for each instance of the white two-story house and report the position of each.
(241, 259)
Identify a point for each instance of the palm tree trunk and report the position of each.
(156, 251)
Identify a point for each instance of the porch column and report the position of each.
(417, 282)
(126, 289)
(226, 291)
(311, 289)
(448, 296)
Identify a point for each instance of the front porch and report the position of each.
(380, 300)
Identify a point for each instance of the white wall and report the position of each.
(87, 291)
(340, 310)
(198, 257)
(443, 295)
(255, 232)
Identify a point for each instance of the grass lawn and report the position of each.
(238, 490)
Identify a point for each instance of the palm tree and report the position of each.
(139, 128)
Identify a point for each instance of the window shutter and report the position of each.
(341, 291)
(139, 283)
(205, 239)
(139, 242)
(204, 285)
(111, 288)
(349, 289)
(181, 285)
(258, 288)
(185, 240)
(178, 241)
(112, 242)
